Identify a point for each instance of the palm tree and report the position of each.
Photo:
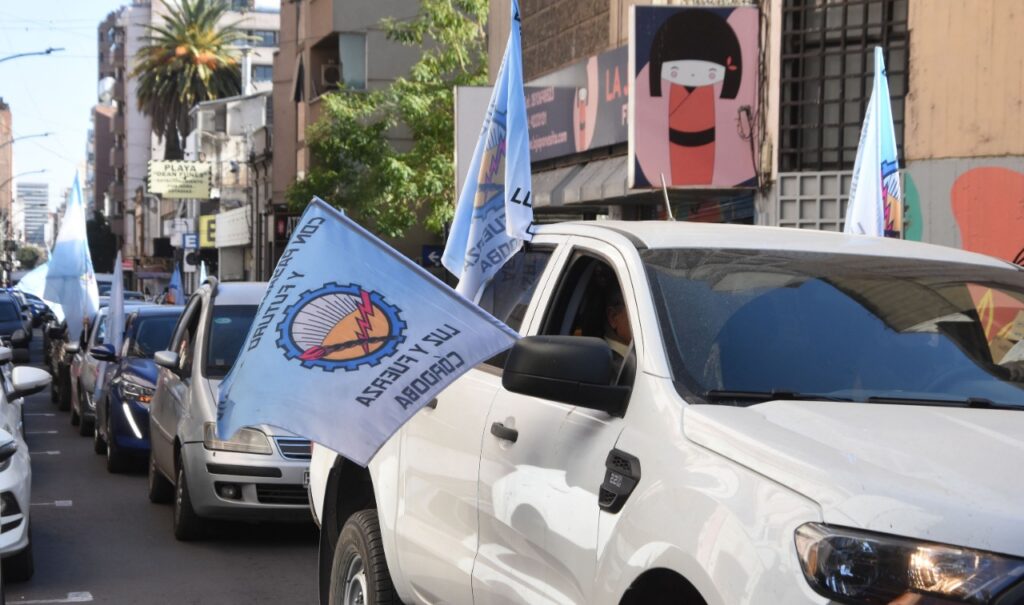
(187, 59)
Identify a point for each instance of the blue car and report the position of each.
(122, 416)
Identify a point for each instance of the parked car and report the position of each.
(41, 312)
(122, 417)
(12, 319)
(16, 468)
(28, 321)
(84, 371)
(60, 350)
(792, 417)
(259, 473)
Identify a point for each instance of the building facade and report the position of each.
(324, 43)
(141, 217)
(6, 165)
(31, 212)
(810, 74)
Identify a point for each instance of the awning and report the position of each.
(548, 186)
(592, 183)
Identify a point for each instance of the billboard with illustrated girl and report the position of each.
(694, 78)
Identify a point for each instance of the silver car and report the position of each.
(84, 371)
(260, 473)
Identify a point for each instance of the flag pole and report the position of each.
(664, 192)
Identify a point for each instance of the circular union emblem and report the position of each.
(338, 326)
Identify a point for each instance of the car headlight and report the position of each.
(134, 390)
(853, 566)
(247, 441)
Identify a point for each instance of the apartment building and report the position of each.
(31, 212)
(142, 217)
(6, 161)
(786, 136)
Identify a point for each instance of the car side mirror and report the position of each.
(5, 355)
(28, 380)
(19, 338)
(167, 359)
(104, 353)
(569, 369)
(71, 348)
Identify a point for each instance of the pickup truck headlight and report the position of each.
(246, 441)
(137, 392)
(853, 566)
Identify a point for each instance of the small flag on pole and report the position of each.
(354, 349)
(495, 208)
(876, 199)
(175, 290)
(115, 326)
(70, 280)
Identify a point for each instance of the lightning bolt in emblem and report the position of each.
(363, 321)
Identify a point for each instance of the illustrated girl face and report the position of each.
(692, 73)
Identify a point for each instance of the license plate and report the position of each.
(305, 479)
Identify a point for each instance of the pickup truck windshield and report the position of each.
(741, 326)
(228, 330)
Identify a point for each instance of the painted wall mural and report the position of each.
(988, 206)
(694, 84)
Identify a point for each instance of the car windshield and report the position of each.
(152, 334)
(9, 311)
(742, 326)
(228, 330)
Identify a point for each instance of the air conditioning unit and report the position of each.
(330, 76)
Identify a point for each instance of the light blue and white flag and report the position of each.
(495, 208)
(115, 326)
(34, 282)
(345, 353)
(202, 271)
(175, 290)
(70, 280)
(876, 198)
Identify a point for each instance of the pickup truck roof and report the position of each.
(669, 234)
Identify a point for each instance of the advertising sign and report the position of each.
(176, 179)
(581, 107)
(693, 79)
(208, 231)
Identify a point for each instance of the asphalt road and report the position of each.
(97, 538)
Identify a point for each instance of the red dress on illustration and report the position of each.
(691, 134)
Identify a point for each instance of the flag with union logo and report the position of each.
(344, 353)
(70, 280)
(876, 197)
(495, 208)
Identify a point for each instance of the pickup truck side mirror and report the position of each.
(29, 380)
(104, 353)
(19, 338)
(570, 369)
(167, 359)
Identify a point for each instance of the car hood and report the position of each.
(273, 431)
(142, 371)
(943, 474)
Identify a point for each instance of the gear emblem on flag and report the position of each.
(337, 326)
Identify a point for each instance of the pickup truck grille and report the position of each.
(294, 448)
(281, 494)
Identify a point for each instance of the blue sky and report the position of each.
(52, 93)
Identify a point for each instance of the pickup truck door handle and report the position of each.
(501, 431)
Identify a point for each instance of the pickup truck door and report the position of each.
(172, 389)
(436, 524)
(542, 463)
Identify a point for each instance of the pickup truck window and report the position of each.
(508, 294)
(743, 326)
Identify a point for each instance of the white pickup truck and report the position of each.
(798, 417)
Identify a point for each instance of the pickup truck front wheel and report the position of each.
(359, 572)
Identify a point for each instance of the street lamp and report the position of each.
(26, 173)
(38, 52)
(27, 136)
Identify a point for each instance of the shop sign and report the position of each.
(176, 179)
(208, 231)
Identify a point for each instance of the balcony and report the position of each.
(117, 156)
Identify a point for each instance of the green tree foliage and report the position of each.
(102, 243)
(355, 167)
(187, 59)
(29, 256)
